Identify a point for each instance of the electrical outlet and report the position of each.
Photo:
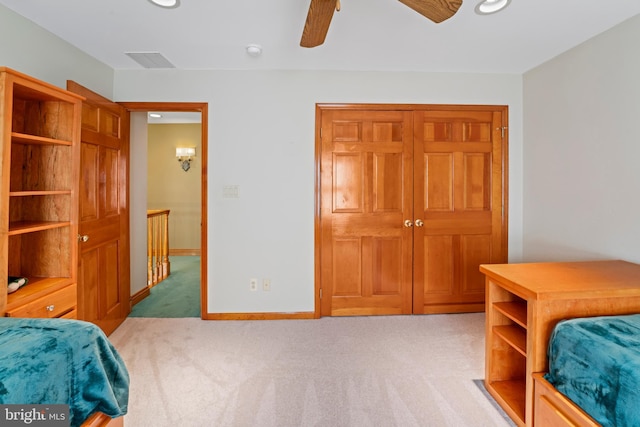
(253, 284)
(266, 285)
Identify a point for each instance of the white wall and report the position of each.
(138, 202)
(28, 48)
(261, 138)
(582, 153)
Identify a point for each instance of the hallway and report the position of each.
(176, 296)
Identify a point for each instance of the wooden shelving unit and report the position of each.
(40, 137)
(508, 313)
(523, 304)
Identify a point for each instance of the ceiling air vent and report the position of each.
(150, 59)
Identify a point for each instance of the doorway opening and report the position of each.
(176, 108)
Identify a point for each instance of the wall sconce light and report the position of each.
(184, 155)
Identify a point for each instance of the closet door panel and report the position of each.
(365, 199)
(456, 196)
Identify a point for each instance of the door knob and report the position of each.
(419, 223)
(83, 238)
(408, 223)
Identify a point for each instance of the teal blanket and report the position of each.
(60, 361)
(596, 363)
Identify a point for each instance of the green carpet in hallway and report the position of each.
(176, 296)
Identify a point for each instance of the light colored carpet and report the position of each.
(348, 371)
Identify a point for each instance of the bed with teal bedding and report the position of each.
(61, 361)
(595, 362)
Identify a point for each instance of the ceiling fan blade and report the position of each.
(435, 10)
(317, 24)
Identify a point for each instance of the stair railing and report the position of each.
(158, 266)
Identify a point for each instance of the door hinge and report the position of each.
(503, 129)
(320, 293)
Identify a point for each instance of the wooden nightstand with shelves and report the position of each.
(40, 140)
(523, 304)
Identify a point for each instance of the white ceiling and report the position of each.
(364, 35)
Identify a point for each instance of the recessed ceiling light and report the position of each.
(487, 7)
(169, 4)
(155, 115)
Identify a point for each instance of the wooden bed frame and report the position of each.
(101, 420)
(553, 409)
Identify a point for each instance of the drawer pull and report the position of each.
(50, 307)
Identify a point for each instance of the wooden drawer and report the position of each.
(73, 314)
(56, 304)
(553, 409)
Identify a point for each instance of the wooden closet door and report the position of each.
(103, 270)
(458, 197)
(413, 198)
(366, 192)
